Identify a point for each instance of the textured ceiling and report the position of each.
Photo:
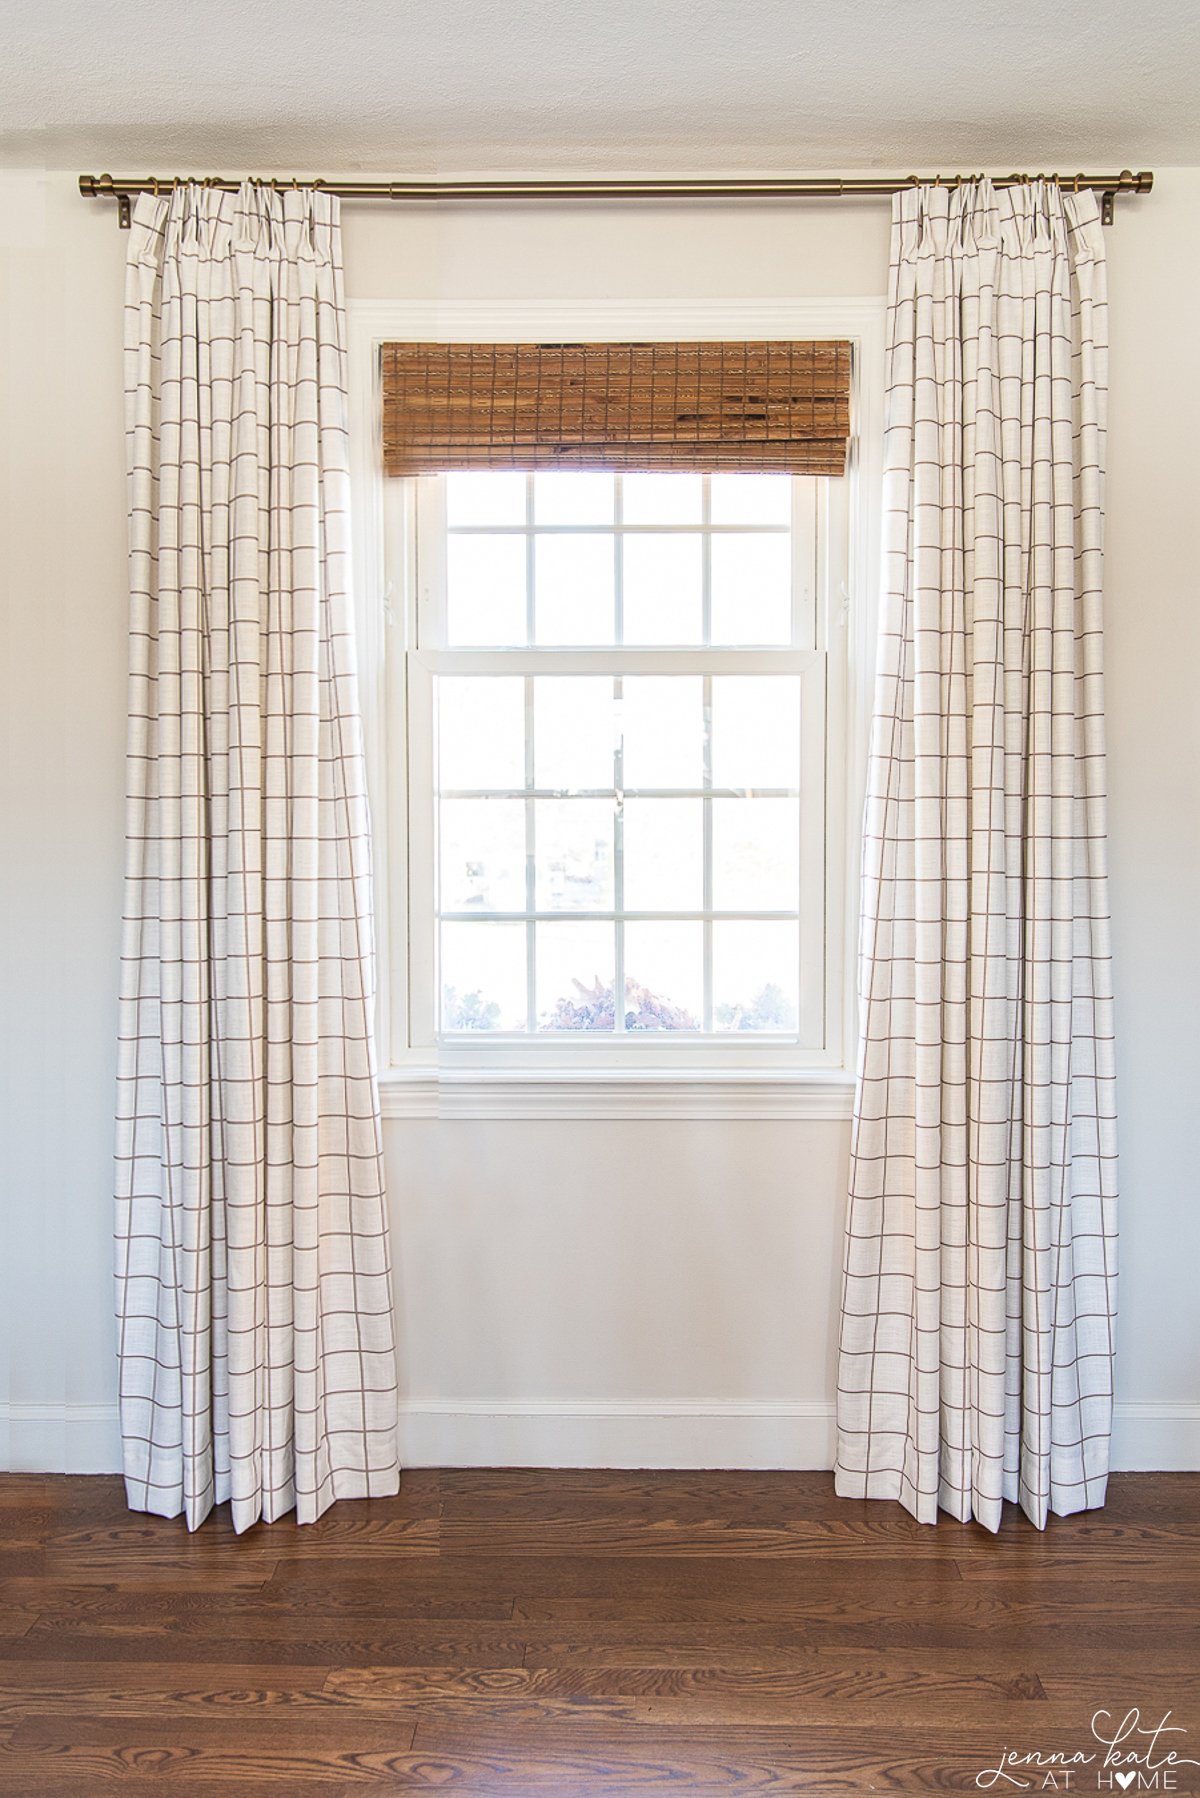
(572, 86)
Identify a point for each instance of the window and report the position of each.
(504, 598)
(623, 699)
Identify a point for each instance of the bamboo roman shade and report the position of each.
(707, 406)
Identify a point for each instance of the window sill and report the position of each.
(816, 1094)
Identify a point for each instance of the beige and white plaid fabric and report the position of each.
(254, 1305)
(978, 1308)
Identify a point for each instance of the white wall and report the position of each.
(653, 1291)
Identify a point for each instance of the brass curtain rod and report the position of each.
(751, 188)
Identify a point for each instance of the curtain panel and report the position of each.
(253, 1289)
(979, 1289)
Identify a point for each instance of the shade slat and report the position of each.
(783, 406)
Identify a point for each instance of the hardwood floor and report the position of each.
(593, 1633)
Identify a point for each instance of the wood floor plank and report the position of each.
(973, 1605)
(362, 1642)
(150, 1770)
(562, 1573)
(845, 1677)
(814, 1692)
(330, 1730)
(120, 1689)
(114, 1689)
(128, 1543)
(1107, 1562)
(617, 1644)
(169, 1573)
(801, 1744)
(133, 1602)
(669, 1536)
(808, 1758)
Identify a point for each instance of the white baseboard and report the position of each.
(698, 1433)
(59, 1438)
(616, 1433)
(1155, 1438)
(497, 1432)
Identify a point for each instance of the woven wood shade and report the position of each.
(706, 406)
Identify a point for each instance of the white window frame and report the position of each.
(592, 1079)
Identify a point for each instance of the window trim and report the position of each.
(693, 1086)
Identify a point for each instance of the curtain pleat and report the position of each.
(253, 1286)
(980, 1261)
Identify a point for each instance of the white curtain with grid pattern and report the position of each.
(254, 1305)
(979, 1293)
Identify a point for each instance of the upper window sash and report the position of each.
(807, 528)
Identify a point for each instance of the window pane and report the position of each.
(664, 976)
(662, 498)
(481, 731)
(663, 588)
(573, 498)
(485, 498)
(482, 863)
(575, 971)
(574, 588)
(574, 731)
(483, 977)
(485, 591)
(755, 731)
(574, 854)
(663, 727)
(664, 854)
(751, 498)
(756, 976)
(752, 588)
(756, 845)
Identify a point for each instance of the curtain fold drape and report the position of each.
(253, 1290)
(979, 1289)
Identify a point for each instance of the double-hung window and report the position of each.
(622, 692)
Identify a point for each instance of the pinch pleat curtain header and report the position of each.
(253, 1293)
(289, 224)
(976, 216)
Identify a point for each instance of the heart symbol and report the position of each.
(1124, 1780)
